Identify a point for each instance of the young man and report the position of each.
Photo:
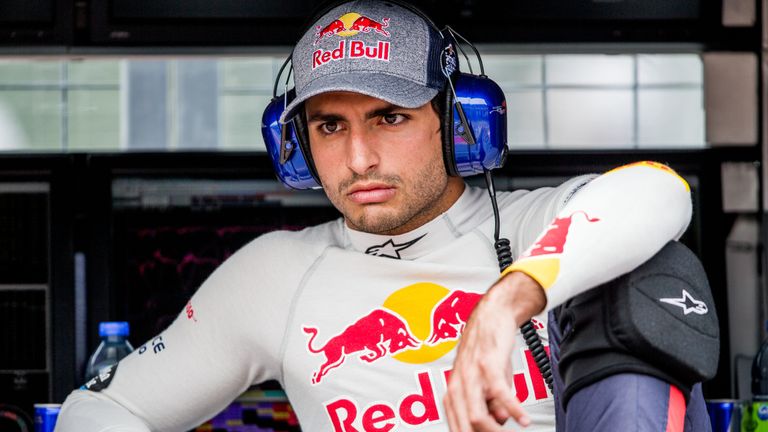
(359, 319)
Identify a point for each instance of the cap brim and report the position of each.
(397, 91)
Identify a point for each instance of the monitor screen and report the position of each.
(32, 11)
(609, 10)
(205, 9)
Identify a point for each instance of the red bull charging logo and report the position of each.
(351, 24)
(553, 240)
(542, 260)
(416, 324)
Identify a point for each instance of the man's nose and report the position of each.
(362, 150)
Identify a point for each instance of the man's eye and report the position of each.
(393, 119)
(329, 127)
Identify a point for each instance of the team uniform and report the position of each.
(361, 329)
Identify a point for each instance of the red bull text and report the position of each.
(357, 50)
(419, 407)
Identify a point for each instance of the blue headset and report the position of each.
(473, 121)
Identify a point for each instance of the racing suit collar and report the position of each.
(418, 242)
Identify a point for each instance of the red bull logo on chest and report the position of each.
(351, 24)
(417, 324)
(398, 329)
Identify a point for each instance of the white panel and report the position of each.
(740, 188)
(741, 261)
(589, 70)
(147, 104)
(525, 120)
(590, 119)
(247, 73)
(670, 69)
(670, 118)
(738, 13)
(197, 105)
(512, 70)
(241, 121)
(730, 92)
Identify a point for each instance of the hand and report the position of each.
(479, 396)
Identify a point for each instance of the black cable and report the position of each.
(471, 45)
(277, 79)
(504, 256)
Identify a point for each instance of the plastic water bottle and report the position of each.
(756, 412)
(114, 346)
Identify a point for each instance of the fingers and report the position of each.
(503, 405)
(480, 400)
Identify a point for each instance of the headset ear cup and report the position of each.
(302, 134)
(446, 102)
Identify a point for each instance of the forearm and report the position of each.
(612, 225)
(521, 294)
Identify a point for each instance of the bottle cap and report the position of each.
(114, 328)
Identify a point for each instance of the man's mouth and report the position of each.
(371, 193)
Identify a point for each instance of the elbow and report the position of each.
(660, 192)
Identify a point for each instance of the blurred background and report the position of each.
(132, 162)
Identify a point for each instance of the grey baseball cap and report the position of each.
(377, 48)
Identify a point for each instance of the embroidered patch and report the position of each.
(102, 380)
(390, 249)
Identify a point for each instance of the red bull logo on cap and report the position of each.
(351, 24)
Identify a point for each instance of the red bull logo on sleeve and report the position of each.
(542, 260)
(553, 240)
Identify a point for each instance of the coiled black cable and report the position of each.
(503, 253)
(504, 256)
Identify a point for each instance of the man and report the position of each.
(359, 319)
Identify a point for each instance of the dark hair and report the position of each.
(438, 104)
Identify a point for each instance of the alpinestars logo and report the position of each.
(390, 249)
(688, 304)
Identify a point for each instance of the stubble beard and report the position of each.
(419, 203)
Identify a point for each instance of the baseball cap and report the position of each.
(378, 48)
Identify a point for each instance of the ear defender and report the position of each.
(479, 126)
(285, 147)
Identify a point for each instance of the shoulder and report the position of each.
(276, 259)
(293, 247)
(553, 198)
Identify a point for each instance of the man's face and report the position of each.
(380, 165)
